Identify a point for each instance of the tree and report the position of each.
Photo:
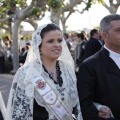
(113, 5)
(58, 9)
(64, 19)
(19, 11)
(5, 20)
(37, 13)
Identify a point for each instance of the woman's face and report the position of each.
(51, 46)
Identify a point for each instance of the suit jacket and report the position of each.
(1, 117)
(91, 47)
(99, 81)
(23, 57)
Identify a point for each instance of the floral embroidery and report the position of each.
(21, 107)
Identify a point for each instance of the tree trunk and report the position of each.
(113, 10)
(10, 28)
(15, 45)
(55, 15)
(63, 26)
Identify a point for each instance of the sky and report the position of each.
(89, 19)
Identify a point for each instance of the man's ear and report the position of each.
(104, 36)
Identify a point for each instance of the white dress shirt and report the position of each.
(115, 56)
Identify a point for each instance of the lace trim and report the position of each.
(59, 78)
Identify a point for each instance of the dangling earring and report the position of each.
(40, 51)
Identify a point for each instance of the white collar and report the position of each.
(112, 53)
(115, 56)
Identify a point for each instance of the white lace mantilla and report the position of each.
(22, 93)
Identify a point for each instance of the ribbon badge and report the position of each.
(40, 84)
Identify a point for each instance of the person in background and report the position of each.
(86, 38)
(99, 75)
(22, 43)
(7, 39)
(68, 41)
(24, 54)
(79, 51)
(2, 56)
(45, 86)
(93, 45)
(74, 43)
(101, 40)
(28, 41)
(8, 50)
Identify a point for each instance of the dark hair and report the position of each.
(21, 38)
(81, 35)
(48, 28)
(7, 38)
(66, 35)
(92, 32)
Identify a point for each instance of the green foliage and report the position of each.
(4, 36)
(9, 7)
(89, 3)
(36, 11)
(20, 2)
(101, 2)
(11, 2)
(55, 3)
(97, 27)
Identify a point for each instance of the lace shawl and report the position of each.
(22, 93)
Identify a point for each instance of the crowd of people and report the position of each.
(81, 46)
(68, 77)
(6, 52)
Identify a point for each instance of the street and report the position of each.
(5, 85)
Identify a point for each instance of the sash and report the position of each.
(49, 96)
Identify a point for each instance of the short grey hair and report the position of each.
(105, 23)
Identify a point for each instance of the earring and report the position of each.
(40, 51)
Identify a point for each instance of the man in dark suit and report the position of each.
(99, 75)
(93, 45)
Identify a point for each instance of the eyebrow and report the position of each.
(118, 28)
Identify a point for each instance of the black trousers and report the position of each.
(2, 64)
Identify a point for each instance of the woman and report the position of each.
(44, 88)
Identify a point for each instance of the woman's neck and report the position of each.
(49, 64)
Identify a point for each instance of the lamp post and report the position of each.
(10, 25)
(10, 13)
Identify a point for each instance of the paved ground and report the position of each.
(5, 85)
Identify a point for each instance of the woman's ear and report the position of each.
(40, 49)
(39, 46)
